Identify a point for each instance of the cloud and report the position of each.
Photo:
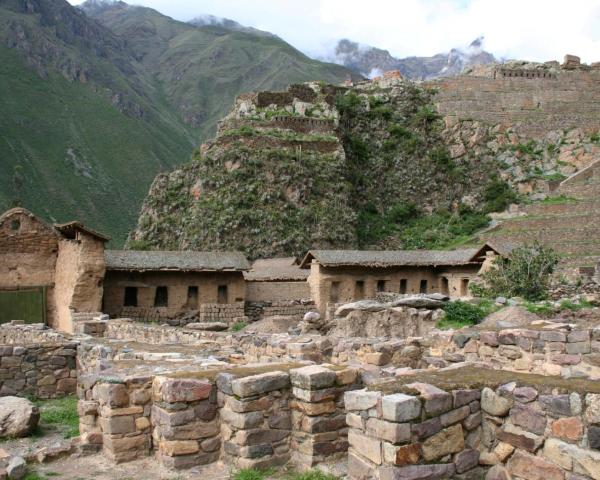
(526, 29)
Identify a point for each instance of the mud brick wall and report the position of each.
(42, 370)
(221, 312)
(562, 352)
(428, 434)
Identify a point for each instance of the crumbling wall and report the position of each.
(255, 310)
(276, 291)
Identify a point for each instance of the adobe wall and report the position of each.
(28, 253)
(276, 291)
(532, 105)
(321, 279)
(178, 283)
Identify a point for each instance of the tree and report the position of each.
(525, 272)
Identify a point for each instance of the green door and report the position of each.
(28, 305)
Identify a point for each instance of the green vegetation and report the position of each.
(554, 177)
(310, 475)
(540, 308)
(461, 314)
(59, 414)
(236, 327)
(498, 195)
(253, 474)
(524, 273)
(558, 200)
(570, 305)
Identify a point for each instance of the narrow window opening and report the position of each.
(161, 297)
(192, 298)
(464, 287)
(334, 293)
(381, 285)
(359, 290)
(131, 299)
(423, 286)
(445, 286)
(222, 294)
(403, 285)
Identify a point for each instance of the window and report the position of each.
(192, 298)
(423, 286)
(445, 286)
(359, 290)
(130, 297)
(161, 297)
(464, 287)
(334, 293)
(381, 285)
(15, 225)
(222, 294)
(403, 285)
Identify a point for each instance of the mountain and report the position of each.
(212, 20)
(203, 68)
(97, 100)
(370, 61)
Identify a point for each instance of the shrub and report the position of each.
(462, 314)
(310, 475)
(498, 196)
(543, 308)
(252, 474)
(525, 272)
(236, 327)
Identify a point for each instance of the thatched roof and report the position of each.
(395, 258)
(187, 261)
(276, 269)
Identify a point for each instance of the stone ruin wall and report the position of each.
(514, 429)
(532, 105)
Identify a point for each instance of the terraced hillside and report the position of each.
(568, 221)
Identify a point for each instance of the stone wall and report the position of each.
(514, 429)
(246, 418)
(556, 351)
(532, 106)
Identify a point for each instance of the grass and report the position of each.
(60, 414)
(461, 314)
(236, 327)
(253, 474)
(40, 476)
(310, 475)
(570, 305)
(543, 308)
(559, 200)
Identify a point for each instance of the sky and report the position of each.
(536, 30)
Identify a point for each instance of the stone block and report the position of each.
(87, 407)
(178, 447)
(377, 358)
(223, 382)
(142, 423)
(113, 395)
(210, 444)
(558, 452)
(174, 390)
(435, 400)
(118, 425)
(578, 336)
(454, 416)
(498, 472)
(369, 448)
(361, 399)
(240, 406)
(466, 460)
(389, 431)
(494, 404)
(346, 376)
(322, 424)
(593, 433)
(556, 404)
(569, 428)
(280, 420)
(256, 451)
(519, 438)
(190, 431)
(553, 336)
(427, 428)
(592, 408)
(179, 462)
(530, 467)
(472, 421)
(489, 338)
(449, 440)
(578, 347)
(402, 455)
(529, 418)
(359, 469)
(441, 471)
(355, 421)
(464, 397)
(259, 436)
(315, 395)
(242, 420)
(312, 377)
(400, 407)
(160, 416)
(259, 384)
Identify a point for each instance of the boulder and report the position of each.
(18, 417)
(510, 317)
(431, 301)
(362, 305)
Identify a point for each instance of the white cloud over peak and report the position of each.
(525, 29)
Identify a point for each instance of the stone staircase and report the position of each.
(571, 227)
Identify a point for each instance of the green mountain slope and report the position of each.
(91, 115)
(203, 68)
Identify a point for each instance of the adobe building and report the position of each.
(341, 276)
(49, 274)
(161, 286)
(276, 280)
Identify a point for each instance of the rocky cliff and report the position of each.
(372, 165)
